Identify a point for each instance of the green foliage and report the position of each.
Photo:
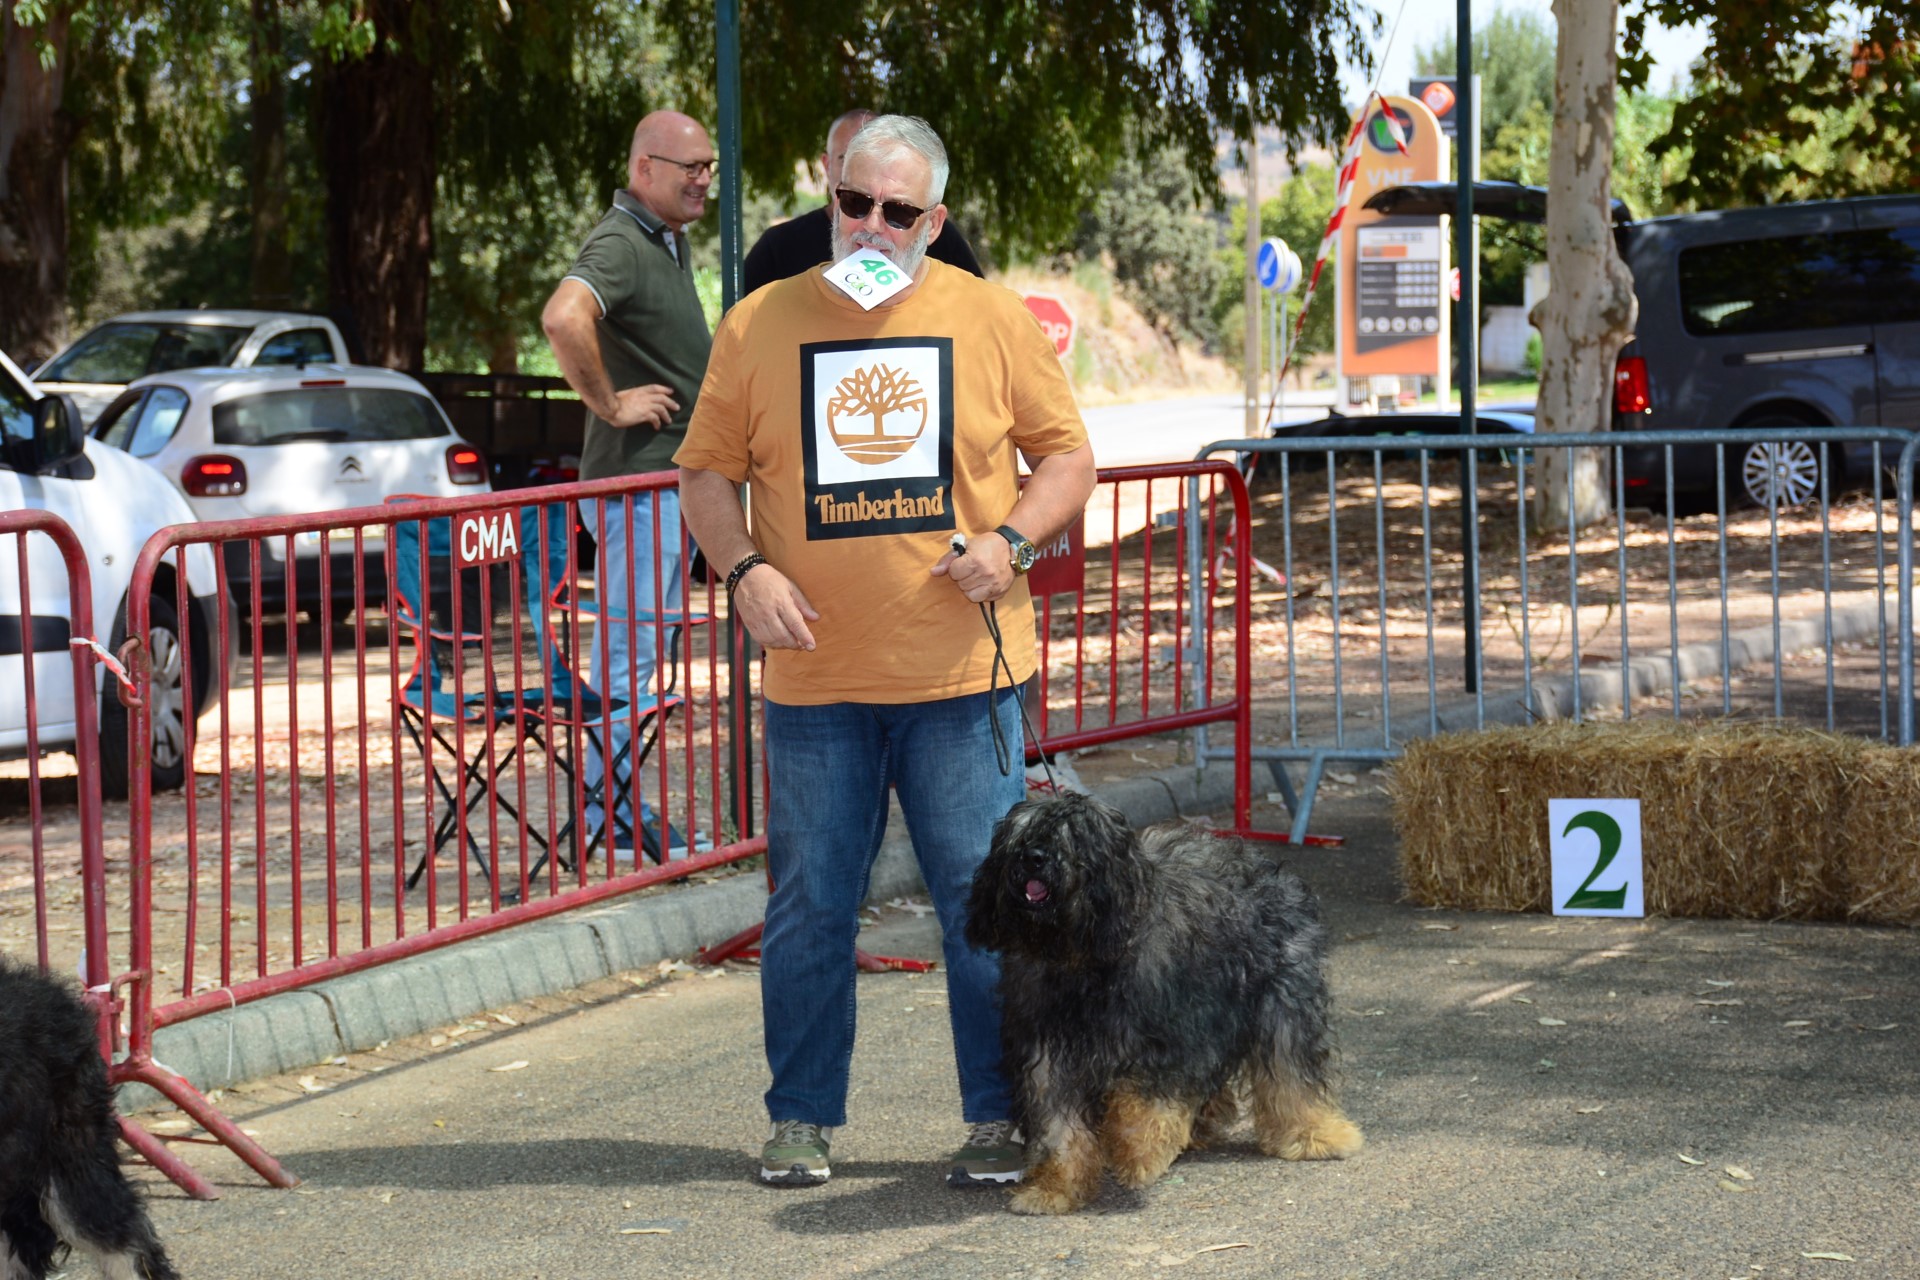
(1791, 101)
(1535, 349)
(1162, 248)
(1035, 98)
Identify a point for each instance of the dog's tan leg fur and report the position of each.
(1216, 1119)
(1067, 1177)
(1297, 1123)
(1143, 1136)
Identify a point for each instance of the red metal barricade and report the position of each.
(59, 624)
(1132, 643)
(412, 766)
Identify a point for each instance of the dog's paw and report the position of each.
(1327, 1135)
(1041, 1200)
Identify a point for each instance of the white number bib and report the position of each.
(867, 277)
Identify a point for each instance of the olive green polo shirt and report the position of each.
(652, 330)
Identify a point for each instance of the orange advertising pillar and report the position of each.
(1393, 295)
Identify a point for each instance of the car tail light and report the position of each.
(324, 382)
(214, 475)
(466, 464)
(1630, 391)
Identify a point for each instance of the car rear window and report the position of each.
(124, 351)
(332, 414)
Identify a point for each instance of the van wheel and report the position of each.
(1780, 475)
(168, 753)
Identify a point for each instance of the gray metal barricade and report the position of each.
(1725, 610)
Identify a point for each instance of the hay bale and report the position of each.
(1737, 819)
(1880, 839)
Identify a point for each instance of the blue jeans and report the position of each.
(829, 769)
(622, 673)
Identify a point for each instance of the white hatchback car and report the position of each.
(242, 443)
(113, 505)
(98, 366)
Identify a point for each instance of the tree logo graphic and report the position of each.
(876, 414)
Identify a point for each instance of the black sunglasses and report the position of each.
(897, 214)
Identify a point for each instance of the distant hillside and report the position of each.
(1117, 356)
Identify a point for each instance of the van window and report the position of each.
(327, 413)
(1894, 269)
(1770, 286)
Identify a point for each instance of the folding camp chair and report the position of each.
(574, 716)
(445, 703)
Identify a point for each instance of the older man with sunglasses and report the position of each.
(630, 335)
(803, 242)
(878, 409)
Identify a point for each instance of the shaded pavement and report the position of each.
(1541, 1097)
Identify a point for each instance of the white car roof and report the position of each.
(219, 382)
(247, 318)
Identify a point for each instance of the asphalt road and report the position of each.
(1175, 430)
(1542, 1098)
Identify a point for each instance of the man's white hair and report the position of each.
(886, 136)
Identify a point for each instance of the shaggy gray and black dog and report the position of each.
(1149, 978)
(60, 1179)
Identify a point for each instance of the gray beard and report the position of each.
(907, 259)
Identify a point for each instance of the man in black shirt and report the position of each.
(790, 247)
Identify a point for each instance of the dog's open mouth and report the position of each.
(1037, 892)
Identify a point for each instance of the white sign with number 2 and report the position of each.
(1595, 848)
(868, 277)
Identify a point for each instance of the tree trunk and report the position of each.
(1589, 311)
(377, 152)
(35, 138)
(271, 273)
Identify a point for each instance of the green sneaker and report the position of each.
(993, 1157)
(795, 1154)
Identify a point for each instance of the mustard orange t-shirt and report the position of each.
(869, 438)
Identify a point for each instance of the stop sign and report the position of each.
(1055, 320)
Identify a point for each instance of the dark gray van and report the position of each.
(1783, 315)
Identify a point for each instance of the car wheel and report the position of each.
(1787, 475)
(168, 754)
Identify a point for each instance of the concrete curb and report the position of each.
(1652, 676)
(355, 1013)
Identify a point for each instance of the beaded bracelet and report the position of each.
(739, 571)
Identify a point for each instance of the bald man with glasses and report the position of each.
(788, 248)
(630, 335)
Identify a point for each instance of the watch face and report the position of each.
(1024, 554)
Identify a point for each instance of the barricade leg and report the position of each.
(183, 1095)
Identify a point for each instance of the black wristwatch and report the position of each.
(1020, 552)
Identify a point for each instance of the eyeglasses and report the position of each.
(695, 169)
(897, 214)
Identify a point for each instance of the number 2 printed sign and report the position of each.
(1595, 849)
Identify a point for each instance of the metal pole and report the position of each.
(1466, 326)
(1252, 361)
(1280, 361)
(1273, 342)
(726, 23)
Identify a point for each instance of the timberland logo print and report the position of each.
(877, 422)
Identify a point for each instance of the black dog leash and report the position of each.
(1002, 754)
